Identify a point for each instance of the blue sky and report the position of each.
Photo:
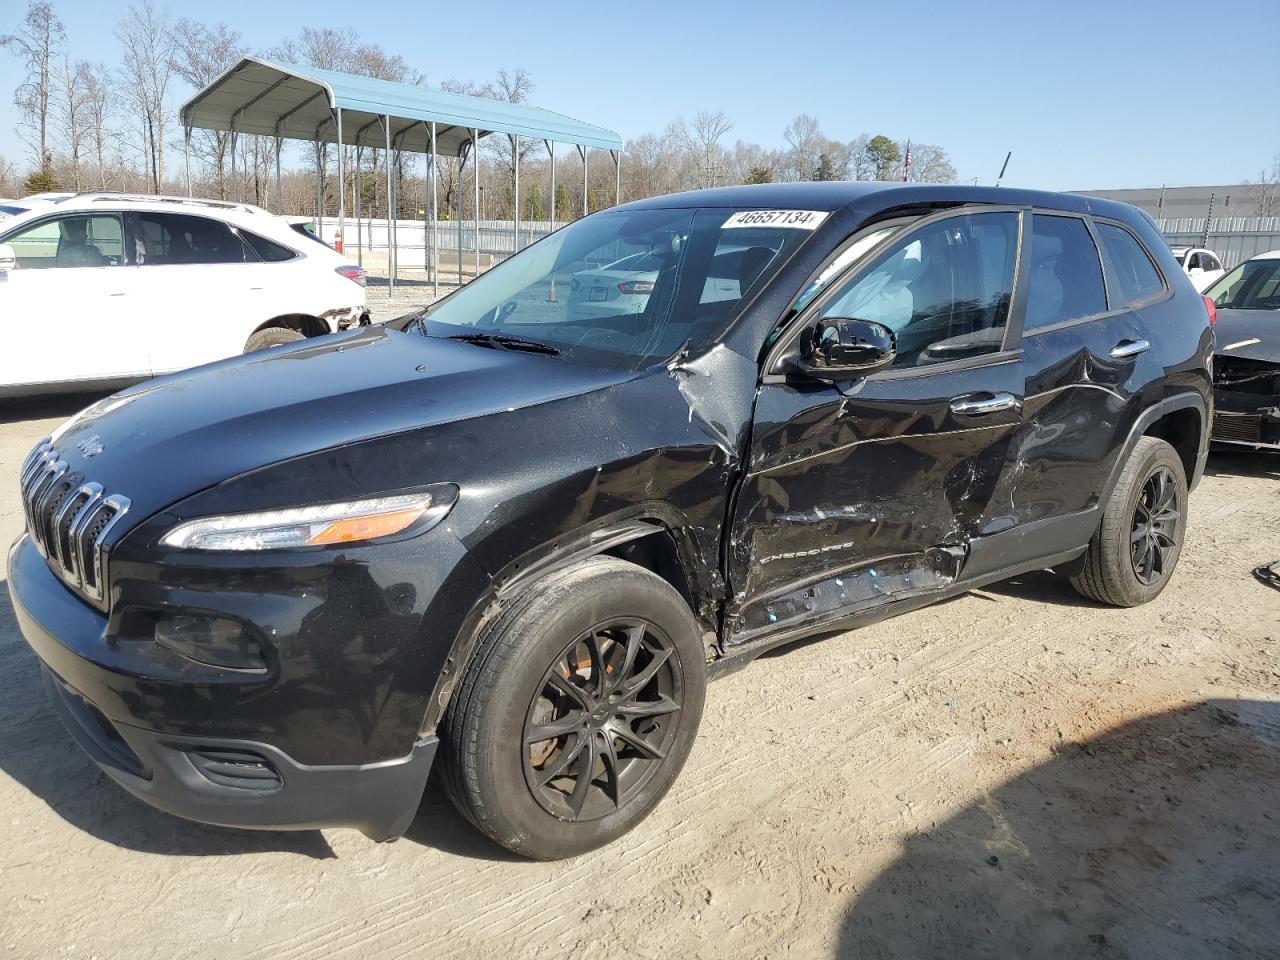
(1085, 94)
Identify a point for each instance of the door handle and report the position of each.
(1129, 348)
(978, 406)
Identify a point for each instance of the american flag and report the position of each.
(906, 164)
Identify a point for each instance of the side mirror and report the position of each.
(8, 259)
(841, 348)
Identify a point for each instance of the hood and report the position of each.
(1235, 328)
(169, 438)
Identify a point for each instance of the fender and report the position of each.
(1145, 419)
(590, 540)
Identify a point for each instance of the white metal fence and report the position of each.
(413, 240)
(1233, 239)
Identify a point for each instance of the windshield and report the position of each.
(1254, 285)
(622, 289)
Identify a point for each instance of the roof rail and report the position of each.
(162, 198)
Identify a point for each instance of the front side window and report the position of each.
(76, 240)
(1136, 274)
(943, 290)
(620, 289)
(173, 238)
(1254, 285)
(1066, 275)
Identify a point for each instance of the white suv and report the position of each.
(1202, 266)
(103, 289)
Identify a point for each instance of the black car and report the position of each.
(1246, 367)
(273, 591)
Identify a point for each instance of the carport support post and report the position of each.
(279, 192)
(515, 162)
(475, 138)
(235, 180)
(391, 246)
(342, 182)
(462, 165)
(186, 155)
(435, 218)
(617, 176)
(551, 149)
(582, 151)
(359, 220)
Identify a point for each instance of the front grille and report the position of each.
(69, 518)
(1242, 429)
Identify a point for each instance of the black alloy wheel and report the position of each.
(1155, 526)
(601, 721)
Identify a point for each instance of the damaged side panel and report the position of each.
(858, 495)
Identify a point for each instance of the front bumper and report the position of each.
(267, 754)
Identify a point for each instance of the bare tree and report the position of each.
(96, 83)
(806, 142)
(38, 44)
(1266, 190)
(145, 34)
(701, 141)
(71, 109)
(929, 164)
(201, 54)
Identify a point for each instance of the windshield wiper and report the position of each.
(495, 340)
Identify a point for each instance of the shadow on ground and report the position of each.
(42, 408)
(1242, 462)
(1160, 839)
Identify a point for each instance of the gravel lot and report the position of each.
(1017, 772)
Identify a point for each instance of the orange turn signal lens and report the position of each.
(367, 528)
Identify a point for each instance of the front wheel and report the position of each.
(1136, 546)
(576, 711)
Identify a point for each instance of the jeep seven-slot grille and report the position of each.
(68, 518)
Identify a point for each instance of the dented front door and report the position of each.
(861, 492)
(855, 497)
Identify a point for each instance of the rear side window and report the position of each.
(1066, 274)
(267, 250)
(1135, 272)
(173, 238)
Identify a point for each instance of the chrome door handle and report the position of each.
(1129, 348)
(980, 406)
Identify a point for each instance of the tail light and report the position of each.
(351, 272)
(641, 287)
(1213, 310)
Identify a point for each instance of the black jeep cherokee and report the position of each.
(520, 529)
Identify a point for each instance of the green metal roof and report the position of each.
(278, 99)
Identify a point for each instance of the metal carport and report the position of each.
(291, 102)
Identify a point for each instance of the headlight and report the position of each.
(314, 526)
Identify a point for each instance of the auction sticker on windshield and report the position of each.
(795, 219)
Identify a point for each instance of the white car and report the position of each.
(98, 290)
(1202, 266)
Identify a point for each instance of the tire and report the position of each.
(518, 679)
(1117, 567)
(271, 337)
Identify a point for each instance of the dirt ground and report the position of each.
(1017, 772)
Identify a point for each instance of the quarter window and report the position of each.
(267, 250)
(72, 241)
(1135, 272)
(1066, 275)
(943, 289)
(171, 238)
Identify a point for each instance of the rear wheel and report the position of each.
(271, 337)
(1134, 551)
(576, 711)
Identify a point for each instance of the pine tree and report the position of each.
(760, 175)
